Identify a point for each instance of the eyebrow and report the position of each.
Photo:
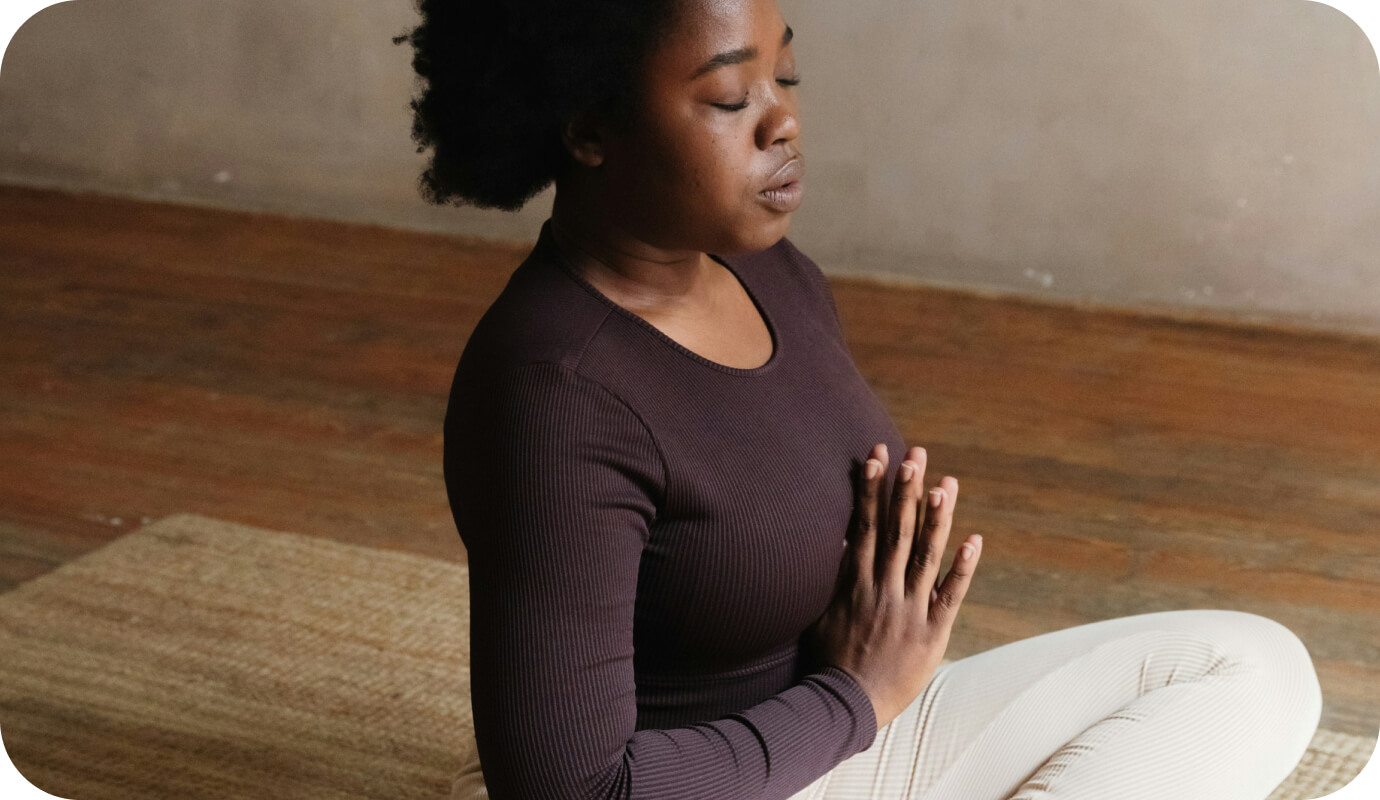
(739, 56)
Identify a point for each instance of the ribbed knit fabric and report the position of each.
(649, 533)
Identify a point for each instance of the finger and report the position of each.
(899, 528)
(949, 596)
(862, 533)
(927, 553)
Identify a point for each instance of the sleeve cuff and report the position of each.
(855, 699)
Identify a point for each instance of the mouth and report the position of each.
(786, 189)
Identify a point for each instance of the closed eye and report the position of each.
(739, 106)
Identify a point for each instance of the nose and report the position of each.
(780, 122)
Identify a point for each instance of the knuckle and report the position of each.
(952, 598)
(891, 600)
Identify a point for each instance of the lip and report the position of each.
(786, 189)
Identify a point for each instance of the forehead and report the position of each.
(706, 28)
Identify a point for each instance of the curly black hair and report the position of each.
(501, 78)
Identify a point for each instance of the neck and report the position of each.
(618, 261)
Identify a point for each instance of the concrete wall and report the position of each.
(1175, 155)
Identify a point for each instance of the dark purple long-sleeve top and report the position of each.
(649, 534)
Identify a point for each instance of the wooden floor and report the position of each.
(293, 375)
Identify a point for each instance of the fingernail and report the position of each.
(936, 497)
(873, 467)
(907, 470)
(965, 552)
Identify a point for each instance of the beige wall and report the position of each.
(1164, 154)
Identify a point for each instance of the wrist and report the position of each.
(867, 691)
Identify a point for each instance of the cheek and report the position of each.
(692, 180)
(724, 164)
(721, 171)
(703, 145)
(699, 177)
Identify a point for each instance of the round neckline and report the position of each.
(772, 360)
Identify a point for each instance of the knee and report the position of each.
(1266, 642)
(1281, 663)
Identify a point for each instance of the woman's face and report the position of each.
(715, 137)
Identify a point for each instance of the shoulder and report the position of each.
(524, 379)
(541, 438)
(523, 370)
(541, 315)
(551, 399)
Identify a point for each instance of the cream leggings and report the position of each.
(1178, 705)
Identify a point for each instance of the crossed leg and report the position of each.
(1178, 704)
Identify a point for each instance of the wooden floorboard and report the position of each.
(292, 374)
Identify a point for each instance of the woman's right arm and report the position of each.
(554, 483)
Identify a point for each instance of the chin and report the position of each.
(758, 238)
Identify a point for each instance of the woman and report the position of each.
(693, 573)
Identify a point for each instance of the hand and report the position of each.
(889, 623)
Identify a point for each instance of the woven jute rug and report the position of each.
(198, 658)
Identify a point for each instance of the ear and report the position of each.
(584, 139)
